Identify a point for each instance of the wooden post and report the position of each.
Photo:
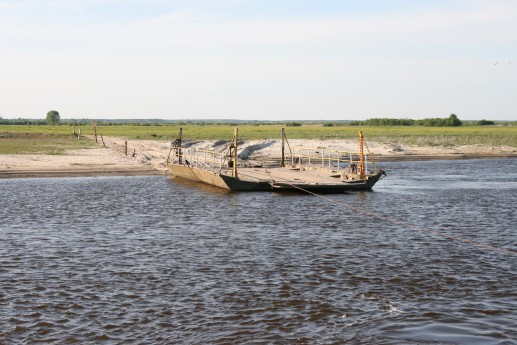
(169, 156)
(95, 130)
(235, 139)
(103, 144)
(361, 156)
(126, 148)
(180, 153)
(282, 162)
(79, 134)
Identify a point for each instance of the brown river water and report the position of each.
(428, 257)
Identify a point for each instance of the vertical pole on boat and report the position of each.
(361, 155)
(282, 162)
(180, 154)
(235, 134)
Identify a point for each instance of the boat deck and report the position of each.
(288, 175)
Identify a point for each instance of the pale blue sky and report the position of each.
(259, 59)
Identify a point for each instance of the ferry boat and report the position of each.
(313, 170)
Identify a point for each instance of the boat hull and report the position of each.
(357, 185)
(228, 182)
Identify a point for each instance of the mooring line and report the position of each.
(418, 227)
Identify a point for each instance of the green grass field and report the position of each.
(57, 139)
(40, 143)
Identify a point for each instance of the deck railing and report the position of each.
(327, 158)
(203, 159)
(309, 157)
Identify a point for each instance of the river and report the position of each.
(428, 257)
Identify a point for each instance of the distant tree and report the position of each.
(454, 121)
(485, 123)
(53, 118)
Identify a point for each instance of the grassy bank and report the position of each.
(40, 143)
(35, 138)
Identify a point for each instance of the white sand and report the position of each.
(147, 157)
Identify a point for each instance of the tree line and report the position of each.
(451, 121)
(53, 118)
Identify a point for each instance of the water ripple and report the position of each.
(149, 260)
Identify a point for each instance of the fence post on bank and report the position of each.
(126, 148)
(95, 130)
(169, 156)
(79, 134)
(103, 144)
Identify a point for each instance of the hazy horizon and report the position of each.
(151, 119)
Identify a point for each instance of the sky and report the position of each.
(259, 59)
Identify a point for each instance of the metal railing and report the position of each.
(203, 159)
(327, 158)
(333, 160)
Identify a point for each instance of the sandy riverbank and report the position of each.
(148, 157)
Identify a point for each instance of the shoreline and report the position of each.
(450, 157)
(55, 173)
(148, 171)
(148, 158)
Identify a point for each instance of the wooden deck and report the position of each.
(290, 175)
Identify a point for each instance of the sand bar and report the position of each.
(147, 157)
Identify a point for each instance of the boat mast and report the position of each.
(178, 145)
(282, 162)
(361, 155)
(234, 170)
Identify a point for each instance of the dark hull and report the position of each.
(225, 181)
